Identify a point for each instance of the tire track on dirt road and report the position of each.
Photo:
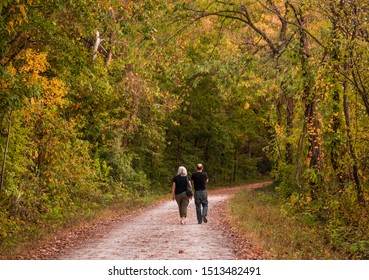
(156, 233)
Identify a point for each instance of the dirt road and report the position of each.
(157, 234)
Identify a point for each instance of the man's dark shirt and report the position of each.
(199, 180)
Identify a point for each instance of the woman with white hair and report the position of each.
(179, 186)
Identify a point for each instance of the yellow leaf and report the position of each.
(23, 10)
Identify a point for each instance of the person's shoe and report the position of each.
(199, 222)
(204, 219)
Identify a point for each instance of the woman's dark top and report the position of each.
(181, 183)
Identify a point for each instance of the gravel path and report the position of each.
(157, 234)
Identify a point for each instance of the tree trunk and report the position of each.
(6, 150)
(207, 155)
(355, 169)
(336, 142)
(285, 107)
(289, 129)
(312, 124)
(97, 44)
(235, 166)
(335, 154)
(179, 149)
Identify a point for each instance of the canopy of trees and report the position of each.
(102, 100)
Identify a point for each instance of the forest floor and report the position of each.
(156, 233)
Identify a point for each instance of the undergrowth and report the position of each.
(34, 234)
(283, 234)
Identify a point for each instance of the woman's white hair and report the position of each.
(182, 171)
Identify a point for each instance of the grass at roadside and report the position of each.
(258, 215)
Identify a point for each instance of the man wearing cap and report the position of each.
(199, 180)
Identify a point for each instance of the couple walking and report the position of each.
(179, 186)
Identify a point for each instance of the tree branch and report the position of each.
(300, 25)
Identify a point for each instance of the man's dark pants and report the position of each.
(201, 200)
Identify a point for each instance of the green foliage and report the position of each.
(105, 99)
(306, 79)
(283, 175)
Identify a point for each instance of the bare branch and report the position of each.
(259, 31)
(97, 44)
(300, 25)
